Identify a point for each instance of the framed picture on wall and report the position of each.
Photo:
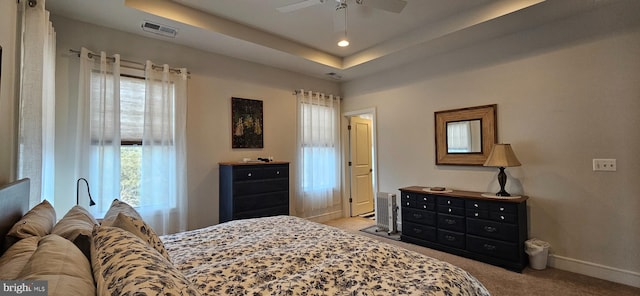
(246, 123)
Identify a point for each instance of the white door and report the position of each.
(361, 166)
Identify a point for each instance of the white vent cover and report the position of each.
(334, 75)
(159, 29)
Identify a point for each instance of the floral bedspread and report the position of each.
(285, 255)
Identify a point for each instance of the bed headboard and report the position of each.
(14, 203)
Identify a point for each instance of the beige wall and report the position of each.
(8, 90)
(214, 80)
(566, 92)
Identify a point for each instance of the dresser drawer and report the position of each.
(450, 222)
(260, 172)
(407, 203)
(503, 208)
(419, 216)
(262, 212)
(407, 196)
(426, 198)
(275, 171)
(246, 173)
(482, 214)
(490, 229)
(476, 205)
(261, 186)
(250, 202)
(450, 238)
(451, 210)
(493, 248)
(450, 201)
(427, 206)
(422, 232)
(503, 217)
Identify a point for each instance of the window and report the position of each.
(131, 114)
(132, 95)
(319, 148)
(131, 137)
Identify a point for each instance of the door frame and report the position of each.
(346, 181)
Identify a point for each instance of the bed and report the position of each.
(280, 255)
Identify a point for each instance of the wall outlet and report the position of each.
(607, 165)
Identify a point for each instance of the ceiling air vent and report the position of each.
(159, 29)
(334, 75)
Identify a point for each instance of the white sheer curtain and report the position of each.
(318, 145)
(98, 128)
(163, 193)
(37, 102)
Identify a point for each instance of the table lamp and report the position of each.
(502, 156)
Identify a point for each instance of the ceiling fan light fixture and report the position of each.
(342, 6)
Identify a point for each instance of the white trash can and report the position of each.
(538, 251)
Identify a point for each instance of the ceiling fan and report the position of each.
(387, 5)
(340, 17)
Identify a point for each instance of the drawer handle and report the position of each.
(475, 205)
(424, 206)
(501, 209)
(407, 204)
(417, 216)
(417, 230)
(450, 221)
(476, 214)
(501, 217)
(490, 229)
(448, 202)
(489, 247)
(278, 173)
(450, 238)
(249, 175)
(450, 210)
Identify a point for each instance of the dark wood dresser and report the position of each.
(251, 190)
(467, 224)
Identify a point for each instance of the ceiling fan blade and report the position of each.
(340, 20)
(388, 5)
(299, 5)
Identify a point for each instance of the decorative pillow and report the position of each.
(62, 265)
(117, 207)
(123, 264)
(76, 226)
(38, 221)
(142, 230)
(16, 257)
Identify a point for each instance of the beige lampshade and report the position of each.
(502, 156)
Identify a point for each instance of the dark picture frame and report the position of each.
(247, 124)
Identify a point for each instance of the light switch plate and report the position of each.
(605, 165)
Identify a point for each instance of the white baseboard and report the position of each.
(617, 275)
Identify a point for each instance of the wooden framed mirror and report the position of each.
(465, 136)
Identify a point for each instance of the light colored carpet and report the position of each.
(500, 281)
